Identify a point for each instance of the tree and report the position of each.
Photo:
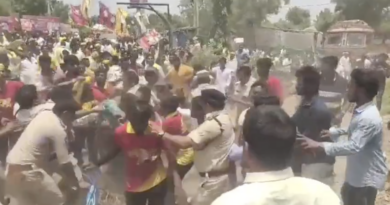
(61, 10)
(156, 22)
(325, 19)
(4, 8)
(206, 22)
(367, 10)
(298, 17)
(251, 14)
(28, 7)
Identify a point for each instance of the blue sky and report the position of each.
(314, 6)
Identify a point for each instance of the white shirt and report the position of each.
(367, 63)
(222, 78)
(114, 74)
(28, 72)
(279, 188)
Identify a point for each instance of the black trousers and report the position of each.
(153, 196)
(358, 195)
(183, 169)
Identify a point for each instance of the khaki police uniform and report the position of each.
(212, 162)
(27, 178)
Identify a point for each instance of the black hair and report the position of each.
(26, 96)
(246, 69)
(310, 77)
(260, 83)
(270, 135)
(265, 63)
(214, 98)
(71, 60)
(223, 59)
(367, 80)
(67, 105)
(44, 59)
(115, 60)
(73, 43)
(332, 61)
(265, 99)
(65, 52)
(61, 93)
(170, 104)
(145, 91)
(131, 76)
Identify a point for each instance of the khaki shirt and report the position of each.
(44, 135)
(215, 155)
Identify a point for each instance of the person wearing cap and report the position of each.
(211, 141)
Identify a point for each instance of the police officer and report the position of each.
(212, 141)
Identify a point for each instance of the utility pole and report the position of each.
(196, 5)
(49, 7)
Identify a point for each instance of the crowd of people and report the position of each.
(61, 96)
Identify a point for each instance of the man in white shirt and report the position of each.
(269, 135)
(29, 70)
(344, 68)
(222, 75)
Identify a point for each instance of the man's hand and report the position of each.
(309, 144)
(156, 128)
(325, 134)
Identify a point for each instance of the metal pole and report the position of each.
(149, 7)
(196, 16)
(170, 33)
(49, 7)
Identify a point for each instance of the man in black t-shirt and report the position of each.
(333, 89)
(381, 68)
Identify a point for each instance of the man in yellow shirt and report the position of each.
(180, 76)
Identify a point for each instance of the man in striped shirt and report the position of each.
(333, 89)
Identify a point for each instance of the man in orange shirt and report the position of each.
(180, 75)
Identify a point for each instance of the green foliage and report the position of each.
(156, 22)
(5, 8)
(29, 7)
(85, 32)
(299, 18)
(222, 17)
(384, 30)
(204, 57)
(247, 14)
(325, 19)
(61, 10)
(370, 11)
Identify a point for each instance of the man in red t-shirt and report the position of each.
(8, 90)
(99, 88)
(264, 66)
(146, 176)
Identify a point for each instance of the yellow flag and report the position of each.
(120, 22)
(85, 5)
